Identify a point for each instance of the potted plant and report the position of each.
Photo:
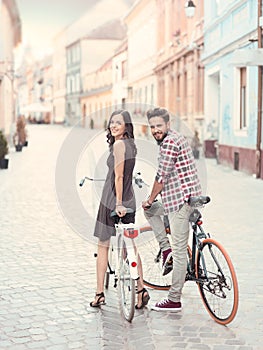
(3, 151)
(20, 135)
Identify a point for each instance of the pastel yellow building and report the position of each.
(10, 37)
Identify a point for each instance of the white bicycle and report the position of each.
(123, 260)
(123, 263)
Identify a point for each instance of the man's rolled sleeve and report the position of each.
(158, 178)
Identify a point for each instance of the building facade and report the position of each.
(120, 88)
(10, 37)
(141, 21)
(90, 42)
(179, 69)
(232, 85)
(96, 99)
(34, 84)
(59, 78)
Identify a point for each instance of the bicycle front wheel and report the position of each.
(217, 281)
(126, 285)
(152, 261)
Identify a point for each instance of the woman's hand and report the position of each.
(120, 210)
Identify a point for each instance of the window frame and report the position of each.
(241, 127)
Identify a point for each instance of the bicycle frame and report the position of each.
(126, 272)
(196, 244)
(128, 232)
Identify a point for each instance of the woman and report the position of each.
(117, 195)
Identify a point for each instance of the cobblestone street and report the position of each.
(47, 276)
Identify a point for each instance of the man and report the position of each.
(176, 180)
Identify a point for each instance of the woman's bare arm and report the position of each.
(119, 160)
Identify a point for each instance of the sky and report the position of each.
(42, 20)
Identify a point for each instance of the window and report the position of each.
(152, 94)
(241, 101)
(185, 92)
(68, 85)
(72, 84)
(68, 57)
(200, 90)
(77, 85)
(161, 24)
(178, 93)
(243, 98)
(124, 69)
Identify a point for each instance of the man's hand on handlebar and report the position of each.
(146, 205)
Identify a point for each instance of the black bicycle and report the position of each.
(209, 266)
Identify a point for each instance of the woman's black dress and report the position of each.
(104, 227)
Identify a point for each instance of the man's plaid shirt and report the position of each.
(177, 172)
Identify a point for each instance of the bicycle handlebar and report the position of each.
(90, 179)
(137, 180)
(128, 211)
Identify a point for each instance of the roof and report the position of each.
(113, 29)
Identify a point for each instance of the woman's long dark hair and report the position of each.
(128, 133)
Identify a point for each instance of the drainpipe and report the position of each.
(259, 121)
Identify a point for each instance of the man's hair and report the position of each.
(158, 112)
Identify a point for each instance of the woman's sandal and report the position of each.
(145, 298)
(100, 301)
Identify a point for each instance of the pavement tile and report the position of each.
(49, 276)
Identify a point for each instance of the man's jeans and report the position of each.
(154, 217)
(179, 224)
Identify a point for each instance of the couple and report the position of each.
(176, 180)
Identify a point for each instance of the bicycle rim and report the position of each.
(152, 265)
(126, 285)
(219, 288)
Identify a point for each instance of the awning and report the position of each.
(36, 107)
(247, 57)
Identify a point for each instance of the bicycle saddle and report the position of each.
(198, 201)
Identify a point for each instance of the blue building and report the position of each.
(233, 83)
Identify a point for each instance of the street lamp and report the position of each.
(189, 8)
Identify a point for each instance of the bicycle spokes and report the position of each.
(150, 254)
(217, 284)
(217, 281)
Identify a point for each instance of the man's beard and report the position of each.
(161, 140)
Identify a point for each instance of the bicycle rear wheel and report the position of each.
(152, 260)
(217, 281)
(126, 285)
